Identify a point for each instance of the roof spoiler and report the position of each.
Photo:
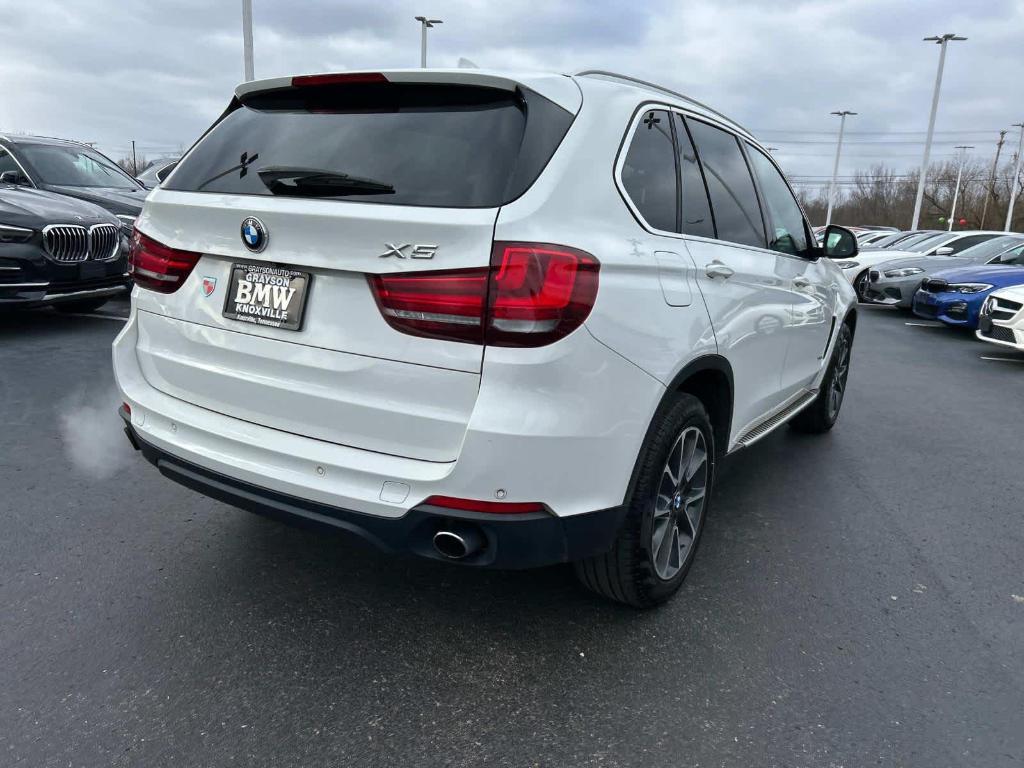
(560, 89)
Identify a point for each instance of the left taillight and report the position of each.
(159, 267)
(532, 294)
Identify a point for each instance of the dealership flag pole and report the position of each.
(956, 190)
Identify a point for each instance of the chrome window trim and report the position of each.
(620, 161)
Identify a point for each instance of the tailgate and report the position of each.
(325, 187)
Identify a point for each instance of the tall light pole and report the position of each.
(992, 179)
(941, 40)
(956, 190)
(835, 168)
(1016, 177)
(425, 24)
(247, 39)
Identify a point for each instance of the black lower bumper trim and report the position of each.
(512, 541)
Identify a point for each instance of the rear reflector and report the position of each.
(531, 295)
(491, 507)
(159, 267)
(340, 78)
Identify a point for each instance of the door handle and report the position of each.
(718, 269)
(801, 283)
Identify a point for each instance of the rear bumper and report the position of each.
(551, 425)
(511, 541)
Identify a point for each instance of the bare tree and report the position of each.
(881, 196)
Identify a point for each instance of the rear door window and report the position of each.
(401, 144)
(649, 171)
(733, 197)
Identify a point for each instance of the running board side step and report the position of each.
(772, 423)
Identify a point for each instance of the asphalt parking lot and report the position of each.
(858, 599)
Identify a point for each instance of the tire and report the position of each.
(632, 572)
(83, 305)
(821, 415)
(860, 285)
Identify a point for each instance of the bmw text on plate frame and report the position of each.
(254, 234)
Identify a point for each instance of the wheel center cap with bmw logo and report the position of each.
(254, 234)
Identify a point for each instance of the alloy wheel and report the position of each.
(837, 389)
(861, 286)
(679, 505)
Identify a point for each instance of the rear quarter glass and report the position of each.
(432, 144)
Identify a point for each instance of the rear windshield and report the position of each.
(400, 144)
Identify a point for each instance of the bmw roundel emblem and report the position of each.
(254, 234)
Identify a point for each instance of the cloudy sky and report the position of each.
(158, 71)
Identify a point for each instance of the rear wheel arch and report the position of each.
(710, 379)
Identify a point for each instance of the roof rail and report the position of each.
(656, 87)
(14, 137)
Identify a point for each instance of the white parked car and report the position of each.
(858, 269)
(495, 319)
(1001, 320)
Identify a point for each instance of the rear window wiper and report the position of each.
(313, 182)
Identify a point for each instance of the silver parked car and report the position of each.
(895, 282)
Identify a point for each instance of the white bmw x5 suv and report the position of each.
(504, 320)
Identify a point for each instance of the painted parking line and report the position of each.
(926, 325)
(1003, 359)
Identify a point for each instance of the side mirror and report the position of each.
(163, 173)
(839, 243)
(944, 251)
(13, 177)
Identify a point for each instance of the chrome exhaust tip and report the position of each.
(458, 543)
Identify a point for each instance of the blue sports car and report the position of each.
(955, 296)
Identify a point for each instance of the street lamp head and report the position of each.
(939, 39)
(843, 112)
(429, 23)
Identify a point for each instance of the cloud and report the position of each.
(159, 72)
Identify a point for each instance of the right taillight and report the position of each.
(531, 295)
(159, 267)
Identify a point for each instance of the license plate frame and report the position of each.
(281, 304)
